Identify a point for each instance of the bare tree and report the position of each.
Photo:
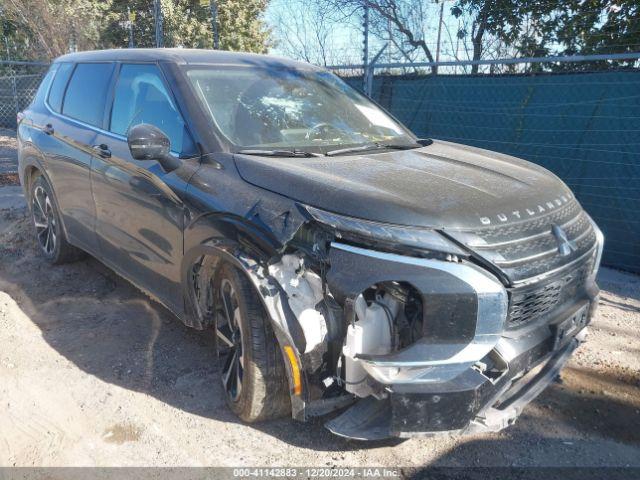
(304, 30)
(403, 23)
(54, 26)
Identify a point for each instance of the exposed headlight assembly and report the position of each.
(448, 349)
(420, 238)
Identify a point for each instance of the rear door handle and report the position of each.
(48, 129)
(102, 150)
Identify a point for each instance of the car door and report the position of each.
(76, 104)
(139, 210)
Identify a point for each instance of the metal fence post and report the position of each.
(368, 82)
(131, 17)
(14, 89)
(213, 4)
(157, 14)
(365, 47)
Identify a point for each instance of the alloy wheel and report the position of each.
(44, 220)
(229, 332)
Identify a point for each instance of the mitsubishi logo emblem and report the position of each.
(565, 246)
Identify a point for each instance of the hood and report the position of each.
(443, 185)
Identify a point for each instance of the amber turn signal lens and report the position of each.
(295, 370)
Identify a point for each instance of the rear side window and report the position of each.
(141, 97)
(44, 86)
(86, 93)
(59, 84)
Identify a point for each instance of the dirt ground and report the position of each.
(92, 373)
(8, 155)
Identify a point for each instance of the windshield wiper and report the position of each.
(279, 153)
(373, 146)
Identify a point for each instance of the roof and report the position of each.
(183, 56)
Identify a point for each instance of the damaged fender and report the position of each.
(287, 291)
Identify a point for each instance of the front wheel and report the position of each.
(253, 372)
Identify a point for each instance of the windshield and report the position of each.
(293, 109)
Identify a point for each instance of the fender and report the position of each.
(256, 239)
(214, 234)
(249, 248)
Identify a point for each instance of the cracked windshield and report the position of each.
(303, 110)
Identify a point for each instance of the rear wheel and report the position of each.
(46, 221)
(253, 372)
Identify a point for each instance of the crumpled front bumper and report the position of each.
(470, 371)
(471, 403)
(507, 407)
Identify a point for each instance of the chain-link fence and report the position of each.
(19, 82)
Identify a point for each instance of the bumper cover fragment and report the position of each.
(470, 404)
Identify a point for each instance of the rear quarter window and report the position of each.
(86, 93)
(39, 97)
(62, 74)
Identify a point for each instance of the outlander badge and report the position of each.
(565, 246)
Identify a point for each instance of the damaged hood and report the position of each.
(443, 185)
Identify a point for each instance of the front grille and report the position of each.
(533, 303)
(526, 228)
(527, 252)
(529, 248)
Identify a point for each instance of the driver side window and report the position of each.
(141, 97)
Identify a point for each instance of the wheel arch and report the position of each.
(248, 261)
(30, 167)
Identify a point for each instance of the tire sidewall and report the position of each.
(40, 181)
(242, 403)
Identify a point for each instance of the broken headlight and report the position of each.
(415, 237)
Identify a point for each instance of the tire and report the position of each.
(263, 389)
(45, 218)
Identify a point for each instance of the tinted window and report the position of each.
(59, 83)
(44, 85)
(141, 97)
(86, 92)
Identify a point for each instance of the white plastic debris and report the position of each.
(304, 290)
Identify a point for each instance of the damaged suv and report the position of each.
(415, 286)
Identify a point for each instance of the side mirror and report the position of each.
(147, 142)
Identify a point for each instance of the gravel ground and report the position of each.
(93, 373)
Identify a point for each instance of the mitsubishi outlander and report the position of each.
(410, 286)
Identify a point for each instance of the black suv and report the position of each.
(419, 286)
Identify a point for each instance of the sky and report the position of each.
(286, 17)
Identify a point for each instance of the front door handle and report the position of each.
(102, 150)
(48, 129)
